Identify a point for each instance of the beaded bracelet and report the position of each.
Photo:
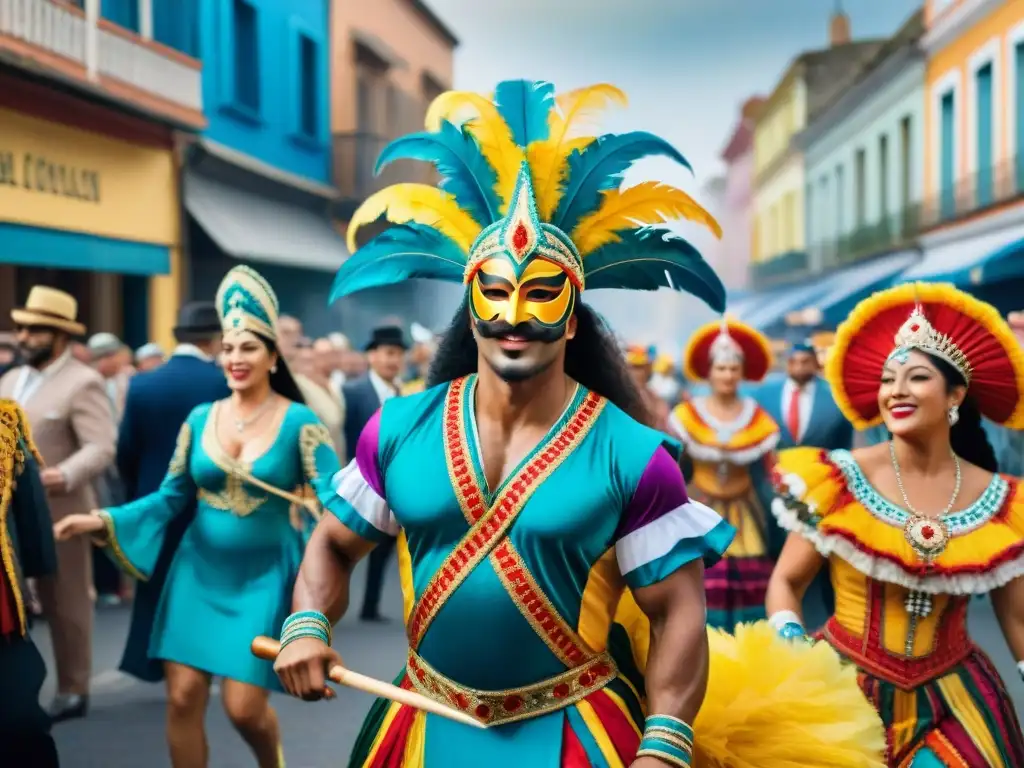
(667, 738)
(306, 624)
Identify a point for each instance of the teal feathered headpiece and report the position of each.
(519, 180)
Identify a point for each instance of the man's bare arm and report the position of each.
(677, 666)
(323, 582)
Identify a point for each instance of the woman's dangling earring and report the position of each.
(953, 415)
(273, 369)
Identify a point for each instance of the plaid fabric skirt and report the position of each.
(735, 589)
(964, 719)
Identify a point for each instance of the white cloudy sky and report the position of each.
(687, 65)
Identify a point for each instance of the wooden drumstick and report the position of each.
(267, 648)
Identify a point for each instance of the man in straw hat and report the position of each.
(70, 415)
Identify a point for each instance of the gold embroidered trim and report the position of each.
(115, 547)
(312, 437)
(11, 424)
(535, 606)
(234, 497)
(512, 704)
(491, 525)
(182, 451)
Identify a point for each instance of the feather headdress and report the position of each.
(521, 174)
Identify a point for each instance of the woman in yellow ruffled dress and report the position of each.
(728, 443)
(912, 528)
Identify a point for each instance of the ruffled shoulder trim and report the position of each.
(826, 498)
(752, 435)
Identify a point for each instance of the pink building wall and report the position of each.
(735, 212)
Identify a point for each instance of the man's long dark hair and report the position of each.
(592, 358)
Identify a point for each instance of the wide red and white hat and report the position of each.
(723, 338)
(938, 319)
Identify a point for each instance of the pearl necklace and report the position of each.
(242, 424)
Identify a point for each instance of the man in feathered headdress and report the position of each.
(526, 495)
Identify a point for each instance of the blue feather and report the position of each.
(525, 106)
(640, 260)
(600, 166)
(465, 172)
(401, 252)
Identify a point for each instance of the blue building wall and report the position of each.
(266, 81)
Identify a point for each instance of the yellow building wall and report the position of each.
(779, 173)
(53, 176)
(956, 56)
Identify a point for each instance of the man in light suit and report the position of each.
(807, 415)
(73, 425)
(363, 396)
(157, 404)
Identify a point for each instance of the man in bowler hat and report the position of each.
(385, 353)
(157, 404)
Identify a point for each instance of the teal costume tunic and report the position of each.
(519, 585)
(232, 576)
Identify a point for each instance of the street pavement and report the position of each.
(125, 727)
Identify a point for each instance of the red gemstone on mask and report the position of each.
(915, 328)
(520, 237)
(927, 532)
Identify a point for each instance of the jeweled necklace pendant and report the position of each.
(927, 536)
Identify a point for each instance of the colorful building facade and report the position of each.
(89, 195)
(736, 215)
(257, 183)
(390, 59)
(974, 148)
(810, 83)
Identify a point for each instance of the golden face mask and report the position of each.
(522, 270)
(543, 293)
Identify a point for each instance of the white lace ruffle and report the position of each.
(742, 457)
(891, 573)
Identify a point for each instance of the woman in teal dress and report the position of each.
(232, 576)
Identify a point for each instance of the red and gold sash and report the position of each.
(489, 526)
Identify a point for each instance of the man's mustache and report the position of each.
(528, 331)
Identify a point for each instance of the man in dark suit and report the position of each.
(807, 415)
(157, 404)
(24, 726)
(363, 396)
(802, 405)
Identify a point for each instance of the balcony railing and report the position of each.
(102, 50)
(355, 157)
(986, 188)
(889, 234)
(780, 269)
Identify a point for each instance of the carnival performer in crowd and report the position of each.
(911, 528)
(232, 575)
(640, 361)
(728, 443)
(523, 489)
(27, 552)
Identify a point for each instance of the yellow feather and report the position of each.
(487, 126)
(549, 159)
(549, 164)
(648, 203)
(772, 703)
(420, 203)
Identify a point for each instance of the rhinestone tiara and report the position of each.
(917, 333)
(725, 349)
